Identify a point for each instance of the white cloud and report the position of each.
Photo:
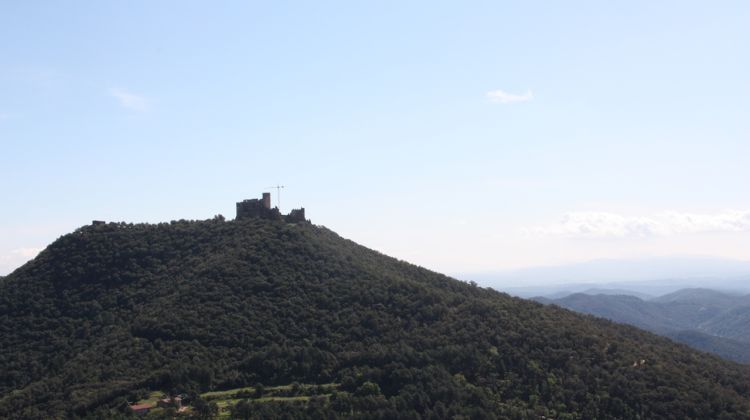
(130, 100)
(601, 224)
(503, 97)
(27, 252)
(17, 258)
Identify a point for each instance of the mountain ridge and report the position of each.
(707, 319)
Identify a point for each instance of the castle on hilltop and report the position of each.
(262, 208)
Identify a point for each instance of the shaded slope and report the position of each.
(727, 348)
(620, 308)
(196, 306)
(700, 296)
(733, 323)
(704, 319)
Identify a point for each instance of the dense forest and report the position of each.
(112, 312)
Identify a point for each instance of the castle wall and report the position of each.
(261, 208)
(296, 216)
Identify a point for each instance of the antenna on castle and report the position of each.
(278, 195)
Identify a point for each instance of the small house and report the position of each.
(141, 409)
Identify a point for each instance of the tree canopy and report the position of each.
(109, 311)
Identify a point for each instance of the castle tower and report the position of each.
(261, 208)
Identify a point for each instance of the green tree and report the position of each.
(242, 410)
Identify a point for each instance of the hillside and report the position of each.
(627, 309)
(294, 319)
(738, 351)
(699, 296)
(705, 319)
(604, 291)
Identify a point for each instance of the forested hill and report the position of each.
(109, 313)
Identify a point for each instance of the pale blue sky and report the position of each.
(625, 131)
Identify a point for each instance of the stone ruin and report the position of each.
(261, 208)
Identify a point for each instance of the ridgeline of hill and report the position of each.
(111, 313)
(705, 319)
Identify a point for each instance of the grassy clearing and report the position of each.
(291, 393)
(280, 393)
(289, 399)
(271, 391)
(227, 402)
(213, 395)
(152, 398)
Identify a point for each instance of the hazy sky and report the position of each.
(462, 136)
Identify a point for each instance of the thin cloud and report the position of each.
(27, 252)
(130, 100)
(17, 258)
(503, 97)
(613, 225)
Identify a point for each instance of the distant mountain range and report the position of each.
(646, 276)
(600, 291)
(705, 319)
